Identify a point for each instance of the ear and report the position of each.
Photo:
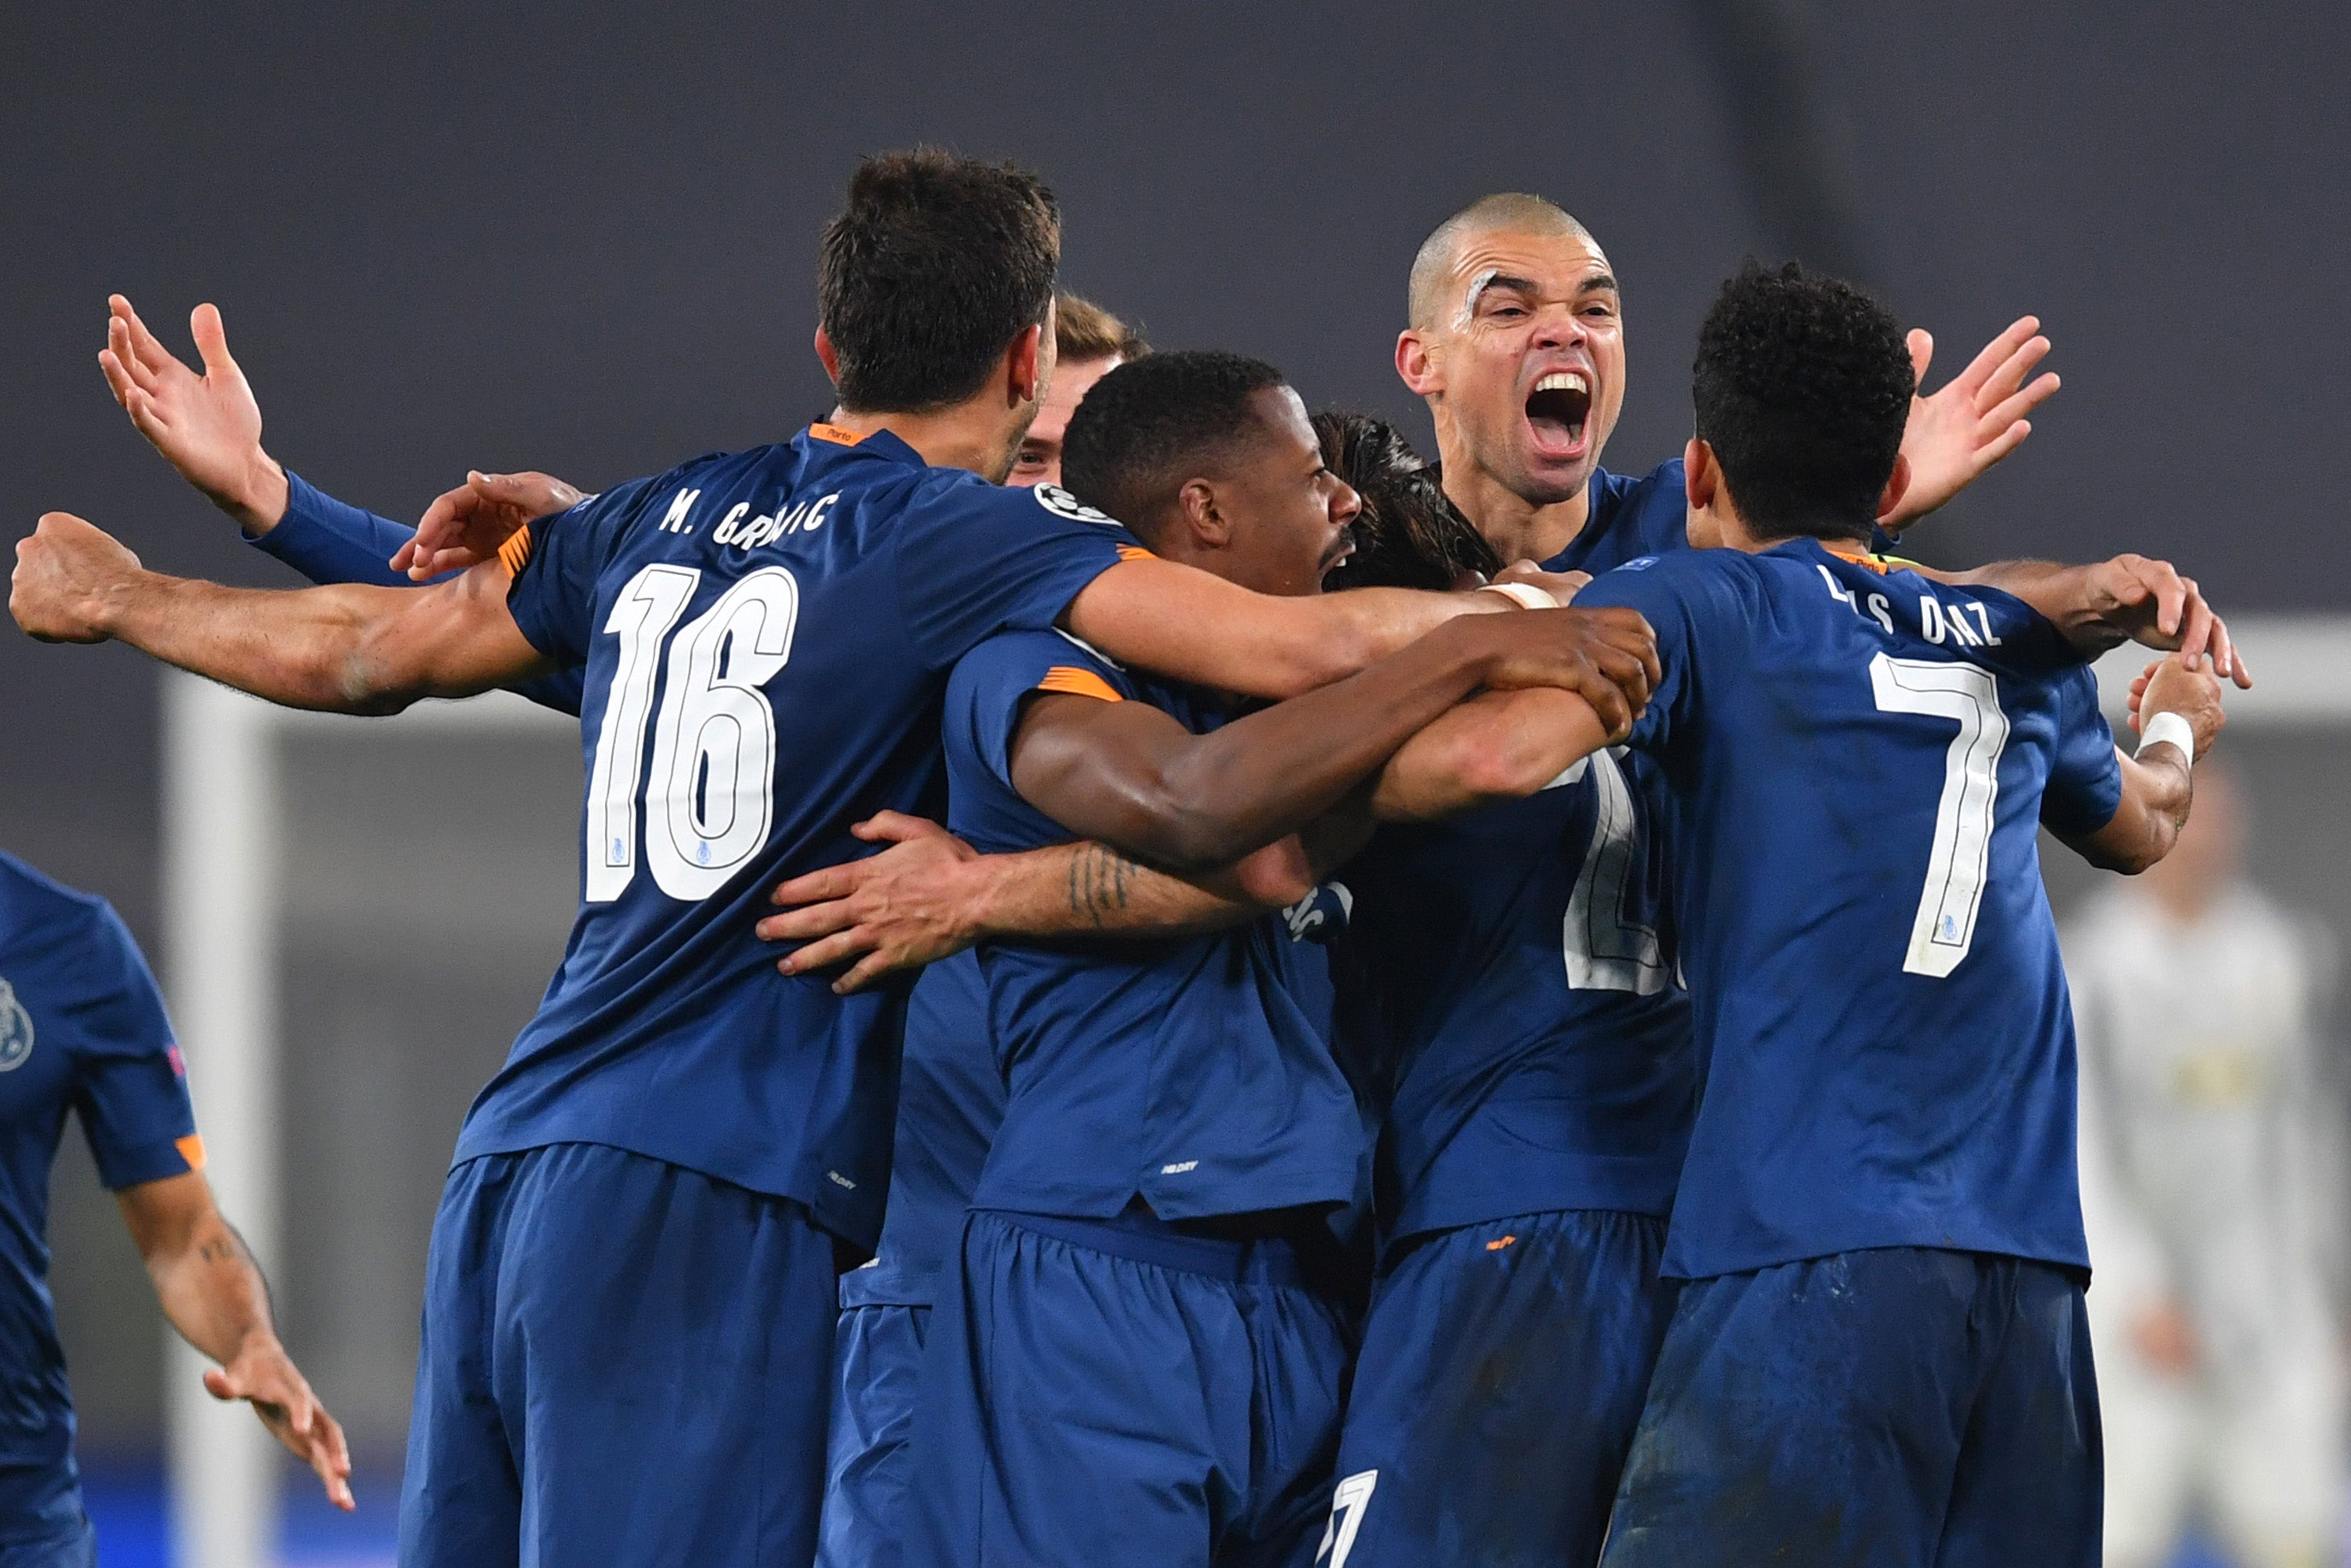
(1202, 518)
(826, 353)
(1897, 485)
(1029, 363)
(1701, 475)
(1417, 365)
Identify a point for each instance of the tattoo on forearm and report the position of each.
(1099, 879)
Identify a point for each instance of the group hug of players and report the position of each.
(1418, 1074)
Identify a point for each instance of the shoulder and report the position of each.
(1654, 506)
(33, 900)
(1039, 661)
(1685, 577)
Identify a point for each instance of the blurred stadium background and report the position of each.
(580, 239)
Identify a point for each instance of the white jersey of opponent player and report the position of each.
(2208, 1161)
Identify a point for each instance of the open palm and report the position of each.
(207, 426)
(1976, 420)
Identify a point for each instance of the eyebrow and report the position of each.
(1596, 282)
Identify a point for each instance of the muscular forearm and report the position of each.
(213, 1292)
(1221, 795)
(1500, 746)
(1149, 614)
(2159, 786)
(1089, 889)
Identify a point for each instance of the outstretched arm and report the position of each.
(213, 1292)
(208, 427)
(1130, 775)
(351, 649)
(2129, 599)
(1975, 421)
(1502, 746)
(2178, 711)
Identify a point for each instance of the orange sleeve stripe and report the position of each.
(834, 433)
(1880, 564)
(516, 550)
(1134, 552)
(192, 1149)
(1078, 682)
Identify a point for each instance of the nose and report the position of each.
(1559, 329)
(1346, 504)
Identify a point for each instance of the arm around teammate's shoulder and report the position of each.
(349, 649)
(2158, 784)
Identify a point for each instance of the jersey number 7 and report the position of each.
(709, 798)
(1960, 859)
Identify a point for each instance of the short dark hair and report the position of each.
(1146, 427)
(928, 272)
(1803, 385)
(1409, 533)
(1084, 330)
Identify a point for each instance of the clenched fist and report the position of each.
(65, 569)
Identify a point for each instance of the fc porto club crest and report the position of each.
(1061, 504)
(16, 1029)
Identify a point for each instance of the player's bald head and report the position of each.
(1431, 301)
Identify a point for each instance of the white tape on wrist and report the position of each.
(2167, 729)
(1525, 595)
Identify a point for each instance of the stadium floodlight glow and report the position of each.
(223, 878)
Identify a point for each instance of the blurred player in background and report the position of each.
(648, 1198)
(82, 1030)
(2211, 1165)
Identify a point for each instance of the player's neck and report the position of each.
(1518, 529)
(965, 436)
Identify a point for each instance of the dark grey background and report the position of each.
(580, 238)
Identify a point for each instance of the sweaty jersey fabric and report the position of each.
(327, 540)
(1180, 1070)
(1521, 965)
(81, 1030)
(766, 636)
(1860, 760)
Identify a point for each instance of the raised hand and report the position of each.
(2171, 685)
(64, 568)
(901, 909)
(1974, 421)
(265, 1377)
(2151, 603)
(207, 426)
(464, 526)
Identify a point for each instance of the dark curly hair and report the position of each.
(1149, 425)
(928, 272)
(1803, 385)
(1408, 535)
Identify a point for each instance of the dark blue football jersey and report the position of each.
(81, 1030)
(1184, 1070)
(1859, 761)
(1519, 962)
(767, 636)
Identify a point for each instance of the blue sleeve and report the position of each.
(328, 541)
(1661, 598)
(129, 1088)
(993, 682)
(556, 563)
(2085, 776)
(978, 560)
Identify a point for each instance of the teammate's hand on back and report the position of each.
(898, 910)
(63, 569)
(1608, 657)
(464, 526)
(264, 1376)
(207, 426)
(2170, 686)
(1972, 422)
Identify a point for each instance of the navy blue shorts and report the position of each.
(877, 1364)
(1500, 1381)
(1898, 1408)
(623, 1361)
(1099, 1393)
